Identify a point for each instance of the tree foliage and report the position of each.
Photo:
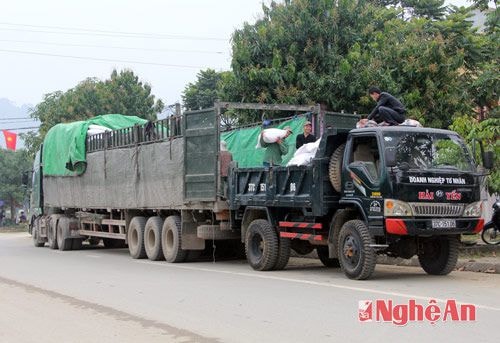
(12, 166)
(204, 91)
(122, 93)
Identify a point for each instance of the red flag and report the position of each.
(10, 139)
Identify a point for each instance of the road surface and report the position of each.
(102, 295)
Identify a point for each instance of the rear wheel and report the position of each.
(261, 245)
(62, 243)
(439, 255)
(324, 257)
(491, 235)
(51, 234)
(37, 240)
(152, 238)
(284, 250)
(135, 237)
(356, 256)
(171, 240)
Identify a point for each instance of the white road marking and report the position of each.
(93, 256)
(314, 283)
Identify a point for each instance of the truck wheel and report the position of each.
(135, 237)
(357, 258)
(51, 234)
(335, 168)
(284, 248)
(63, 243)
(152, 238)
(439, 255)
(325, 258)
(171, 240)
(37, 241)
(214, 232)
(261, 245)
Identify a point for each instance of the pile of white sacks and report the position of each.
(305, 154)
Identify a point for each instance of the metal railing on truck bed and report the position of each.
(159, 130)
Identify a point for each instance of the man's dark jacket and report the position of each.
(388, 100)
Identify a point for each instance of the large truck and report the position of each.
(166, 188)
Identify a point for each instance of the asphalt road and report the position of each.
(101, 295)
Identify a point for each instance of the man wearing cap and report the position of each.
(306, 137)
(274, 151)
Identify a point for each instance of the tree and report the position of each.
(203, 92)
(122, 93)
(12, 166)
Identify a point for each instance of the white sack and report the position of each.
(271, 136)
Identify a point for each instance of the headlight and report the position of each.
(474, 210)
(396, 208)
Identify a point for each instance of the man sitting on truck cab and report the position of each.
(274, 153)
(388, 109)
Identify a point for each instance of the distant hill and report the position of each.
(9, 109)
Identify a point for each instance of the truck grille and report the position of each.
(432, 209)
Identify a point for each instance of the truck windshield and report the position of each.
(417, 150)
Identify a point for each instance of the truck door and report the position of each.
(200, 155)
(363, 172)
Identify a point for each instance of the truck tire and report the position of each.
(214, 232)
(51, 234)
(135, 237)
(284, 249)
(261, 245)
(357, 258)
(37, 240)
(63, 243)
(439, 255)
(335, 168)
(152, 238)
(111, 243)
(324, 257)
(171, 240)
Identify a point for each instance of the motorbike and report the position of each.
(491, 230)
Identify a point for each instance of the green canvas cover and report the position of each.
(64, 144)
(241, 143)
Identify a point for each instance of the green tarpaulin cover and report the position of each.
(241, 143)
(64, 144)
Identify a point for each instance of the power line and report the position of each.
(22, 128)
(91, 32)
(15, 118)
(22, 121)
(112, 47)
(101, 59)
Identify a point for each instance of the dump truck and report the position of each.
(164, 189)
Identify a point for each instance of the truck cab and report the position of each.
(414, 189)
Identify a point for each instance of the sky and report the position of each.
(165, 42)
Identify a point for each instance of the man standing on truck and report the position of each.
(306, 137)
(275, 151)
(388, 109)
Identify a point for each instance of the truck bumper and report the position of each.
(423, 227)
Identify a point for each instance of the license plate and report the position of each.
(444, 223)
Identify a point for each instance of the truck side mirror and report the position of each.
(25, 179)
(488, 159)
(390, 157)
